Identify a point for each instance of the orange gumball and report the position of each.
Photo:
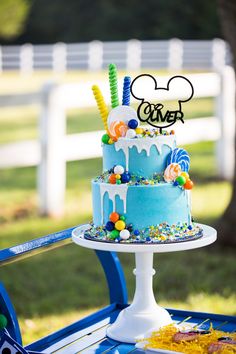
(112, 179)
(114, 217)
(189, 184)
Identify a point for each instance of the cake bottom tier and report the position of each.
(142, 205)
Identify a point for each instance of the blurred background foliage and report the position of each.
(43, 21)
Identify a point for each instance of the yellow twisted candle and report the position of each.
(101, 105)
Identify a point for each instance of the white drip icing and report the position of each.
(143, 144)
(113, 190)
(188, 197)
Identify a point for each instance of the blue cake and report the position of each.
(143, 194)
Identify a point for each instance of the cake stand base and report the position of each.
(143, 315)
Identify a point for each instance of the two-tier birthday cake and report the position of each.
(143, 194)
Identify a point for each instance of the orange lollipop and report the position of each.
(118, 129)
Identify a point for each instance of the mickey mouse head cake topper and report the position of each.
(158, 112)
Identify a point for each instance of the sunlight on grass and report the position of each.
(206, 303)
(38, 327)
(210, 200)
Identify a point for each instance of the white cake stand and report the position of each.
(143, 315)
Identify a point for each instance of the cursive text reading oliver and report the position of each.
(152, 114)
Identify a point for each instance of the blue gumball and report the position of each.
(110, 226)
(132, 123)
(125, 177)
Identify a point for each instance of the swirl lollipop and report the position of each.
(172, 171)
(181, 157)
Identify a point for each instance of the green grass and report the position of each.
(56, 288)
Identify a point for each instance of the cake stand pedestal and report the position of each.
(144, 314)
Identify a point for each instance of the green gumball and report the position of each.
(181, 180)
(3, 321)
(114, 234)
(105, 138)
(122, 217)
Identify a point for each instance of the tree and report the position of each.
(83, 20)
(13, 14)
(227, 224)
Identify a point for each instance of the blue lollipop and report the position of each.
(181, 157)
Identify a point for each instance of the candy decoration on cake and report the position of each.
(181, 157)
(132, 123)
(118, 129)
(117, 228)
(113, 85)
(130, 134)
(189, 184)
(141, 163)
(102, 107)
(172, 171)
(119, 169)
(119, 175)
(126, 91)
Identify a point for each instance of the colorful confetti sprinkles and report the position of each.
(162, 233)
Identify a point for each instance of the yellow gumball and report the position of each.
(118, 176)
(185, 175)
(120, 225)
(139, 130)
(110, 141)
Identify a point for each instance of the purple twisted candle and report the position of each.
(126, 91)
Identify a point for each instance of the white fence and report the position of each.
(173, 54)
(54, 147)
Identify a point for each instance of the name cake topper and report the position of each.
(156, 113)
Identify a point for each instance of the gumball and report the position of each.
(105, 138)
(125, 177)
(185, 175)
(181, 180)
(129, 227)
(110, 141)
(176, 183)
(3, 321)
(118, 181)
(122, 217)
(139, 131)
(136, 232)
(132, 123)
(124, 234)
(114, 234)
(130, 134)
(112, 179)
(110, 226)
(120, 225)
(119, 169)
(118, 176)
(114, 217)
(189, 184)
